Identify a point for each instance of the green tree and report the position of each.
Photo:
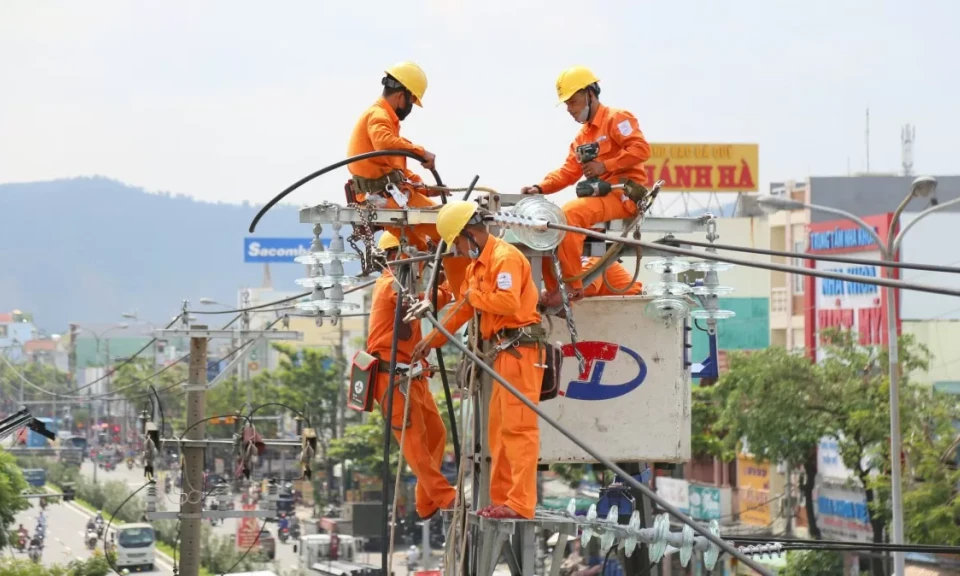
(96, 565)
(12, 485)
(362, 445)
(29, 377)
(312, 381)
(773, 399)
(813, 563)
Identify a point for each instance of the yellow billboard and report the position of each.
(753, 491)
(704, 167)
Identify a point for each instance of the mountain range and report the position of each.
(91, 249)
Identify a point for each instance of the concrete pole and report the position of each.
(426, 552)
(193, 458)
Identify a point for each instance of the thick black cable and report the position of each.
(434, 299)
(106, 531)
(887, 283)
(334, 166)
(844, 544)
(388, 417)
(163, 420)
(670, 240)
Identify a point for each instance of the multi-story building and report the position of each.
(16, 329)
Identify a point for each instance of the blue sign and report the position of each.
(846, 509)
(840, 239)
(832, 287)
(597, 354)
(276, 249)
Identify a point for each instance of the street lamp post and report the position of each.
(98, 336)
(922, 187)
(136, 318)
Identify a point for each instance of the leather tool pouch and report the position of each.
(551, 374)
(363, 379)
(350, 193)
(634, 191)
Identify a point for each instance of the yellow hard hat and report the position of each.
(388, 241)
(412, 77)
(453, 217)
(573, 80)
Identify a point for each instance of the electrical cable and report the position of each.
(163, 420)
(130, 359)
(294, 410)
(106, 531)
(898, 284)
(247, 551)
(388, 416)
(670, 240)
(434, 298)
(251, 308)
(365, 156)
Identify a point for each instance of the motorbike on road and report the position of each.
(91, 539)
(129, 463)
(34, 553)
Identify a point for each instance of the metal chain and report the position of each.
(364, 233)
(568, 312)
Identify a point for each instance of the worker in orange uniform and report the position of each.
(499, 285)
(426, 435)
(622, 152)
(621, 280)
(385, 181)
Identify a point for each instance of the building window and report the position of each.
(798, 279)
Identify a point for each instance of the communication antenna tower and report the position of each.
(907, 135)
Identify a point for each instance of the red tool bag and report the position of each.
(363, 379)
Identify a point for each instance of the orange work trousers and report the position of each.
(514, 431)
(584, 213)
(455, 268)
(424, 440)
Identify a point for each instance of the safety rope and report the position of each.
(396, 486)
(447, 190)
(636, 274)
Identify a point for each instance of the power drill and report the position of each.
(591, 186)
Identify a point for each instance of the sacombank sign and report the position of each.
(590, 385)
(276, 249)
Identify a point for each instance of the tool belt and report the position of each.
(376, 185)
(402, 369)
(534, 335)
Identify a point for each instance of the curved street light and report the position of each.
(921, 187)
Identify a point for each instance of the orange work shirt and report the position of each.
(623, 150)
(383, 307)
(379, 129)
(500, 285)
(618, 277)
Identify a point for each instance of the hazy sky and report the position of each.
(232, 101)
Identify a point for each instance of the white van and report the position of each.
(136, 546)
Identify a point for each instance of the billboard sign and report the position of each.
(842, 512)
(855, 306)
(632, 400)
(675, 491)
(282, 250)
(704, 167)
(248, 531)
(753, 491)
(709, 502)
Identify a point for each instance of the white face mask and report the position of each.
(584, 115)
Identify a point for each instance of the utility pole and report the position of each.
(194, 444)
(192, 508)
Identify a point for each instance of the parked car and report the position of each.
(268, 544)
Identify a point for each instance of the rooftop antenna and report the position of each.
(907, 135)
(867, 140)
